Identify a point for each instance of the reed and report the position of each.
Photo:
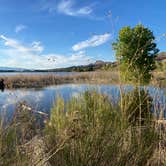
(39, 81)
(98, 77)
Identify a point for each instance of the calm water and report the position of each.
(36, 73)
(43, 99)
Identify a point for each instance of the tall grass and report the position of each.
(39, 81)
(90, 131)
(97, 77)
(15, 135)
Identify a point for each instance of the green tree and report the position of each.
(136, 51)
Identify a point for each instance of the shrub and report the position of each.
(136, 51)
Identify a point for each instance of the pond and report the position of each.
(43, 99)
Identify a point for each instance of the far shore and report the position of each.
(97, 77)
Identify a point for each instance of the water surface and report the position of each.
(43, 99)
(36, 73)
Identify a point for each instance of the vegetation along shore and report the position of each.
(96, 77)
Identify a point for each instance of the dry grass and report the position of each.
(38, 81)
(159, 79)
(89, 130)
(97, 77)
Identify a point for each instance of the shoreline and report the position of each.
(97, 77)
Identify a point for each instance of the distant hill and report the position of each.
(161, 57)
(98, 65)
(100, 62)
(12, 69)
(161, 61)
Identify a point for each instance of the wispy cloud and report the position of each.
(67, 7)
(20, 28)
(79, 58)
(15, 44)
(16, 54)
(94, 41)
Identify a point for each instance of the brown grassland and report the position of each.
(97, 77)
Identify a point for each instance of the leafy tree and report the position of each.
(136, 51)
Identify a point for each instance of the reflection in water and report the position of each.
(43, 99)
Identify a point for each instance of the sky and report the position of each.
(45, 34)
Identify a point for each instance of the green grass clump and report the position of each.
(89, 130)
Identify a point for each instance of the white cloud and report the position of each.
(67, 7)
(34, 47)
(20, 28)
(16, 54)
(94, 41)
(71, 8)
(79, 58)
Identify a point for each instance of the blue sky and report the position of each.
(60, 33)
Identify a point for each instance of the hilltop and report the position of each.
(98, 65)
(161, 57)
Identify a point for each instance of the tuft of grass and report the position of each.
(89, 130)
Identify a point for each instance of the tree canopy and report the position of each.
(136, 51)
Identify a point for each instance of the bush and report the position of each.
(136, 51)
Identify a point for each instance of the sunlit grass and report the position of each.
(98, 77)
(38, 81)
